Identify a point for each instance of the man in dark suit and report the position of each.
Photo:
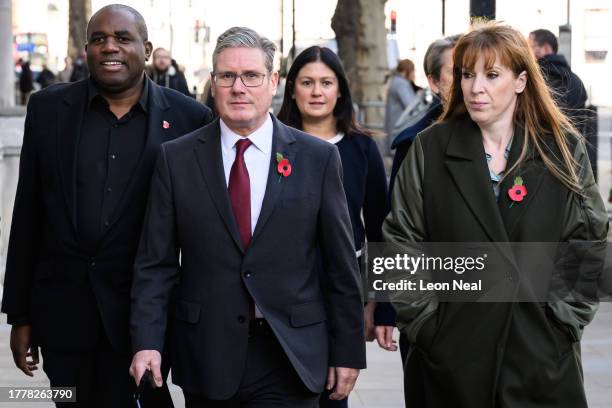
(268, 305)
(88, 153)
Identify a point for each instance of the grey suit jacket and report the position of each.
(300, 267)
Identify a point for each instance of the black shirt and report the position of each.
(108, 153)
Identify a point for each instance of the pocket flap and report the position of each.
(187, 311)
(307, 313)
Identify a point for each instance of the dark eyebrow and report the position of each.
(123, 33)
(120, 33)
(97, 34)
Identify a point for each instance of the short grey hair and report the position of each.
(432, 63)
(244, 37)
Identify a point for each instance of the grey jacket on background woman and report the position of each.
(401, 94)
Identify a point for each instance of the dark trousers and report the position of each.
(101, 378)
(269, 379)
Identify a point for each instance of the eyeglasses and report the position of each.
(227, 79)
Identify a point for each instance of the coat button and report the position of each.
(241, 319)
(247, 274)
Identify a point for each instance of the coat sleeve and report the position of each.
(585, 226)
(26, 226)
(342, 291)
(406, 224)
(156, 265)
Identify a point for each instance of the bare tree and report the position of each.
(361, 36)
(78, 15)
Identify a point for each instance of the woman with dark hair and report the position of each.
(504, 167)
(318, 101)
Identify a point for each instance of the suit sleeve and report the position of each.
(24, 241)
(156, 264)
(342, 291)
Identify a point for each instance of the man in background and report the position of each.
(568, 89)
(164, 73)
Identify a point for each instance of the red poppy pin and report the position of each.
(165, 125)
(518, 191)
(284, 167)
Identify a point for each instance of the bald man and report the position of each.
(88, 154)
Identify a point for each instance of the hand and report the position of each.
(384, 336)
(22, 349)
(368, 317)
(342, 381)
(147, 360)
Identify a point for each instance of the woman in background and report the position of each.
(401, 93)
(317, 100)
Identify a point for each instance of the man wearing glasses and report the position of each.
(253, 207)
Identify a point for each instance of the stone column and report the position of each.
(7, 68)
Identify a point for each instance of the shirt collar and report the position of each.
(261, 137)
(92, 93)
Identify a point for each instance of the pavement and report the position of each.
(380, 386)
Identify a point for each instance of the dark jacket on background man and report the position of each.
(26, 81)
(173, 78)
(80, 70)
(71, 292)
(46, 78)
(569, 92)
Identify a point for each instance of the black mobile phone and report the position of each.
(146, 382)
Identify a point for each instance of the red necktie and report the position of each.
(239, 188)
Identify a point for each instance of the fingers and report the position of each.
(345, 382)
(34, 354)
(137, 369)
(19, 357)
(147, 360)
(384, 337)
(20, 342)
(156, 371)
(331, 378)
(391, 346)
(33, 362)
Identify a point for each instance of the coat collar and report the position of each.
(465, 160)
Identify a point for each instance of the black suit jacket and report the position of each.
(189, 212)
(51, 281)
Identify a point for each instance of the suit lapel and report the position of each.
(69, 122)
(531, 171)
(210, 160)
(282, 142)
(465, 159)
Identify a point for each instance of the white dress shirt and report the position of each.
(256, 158)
